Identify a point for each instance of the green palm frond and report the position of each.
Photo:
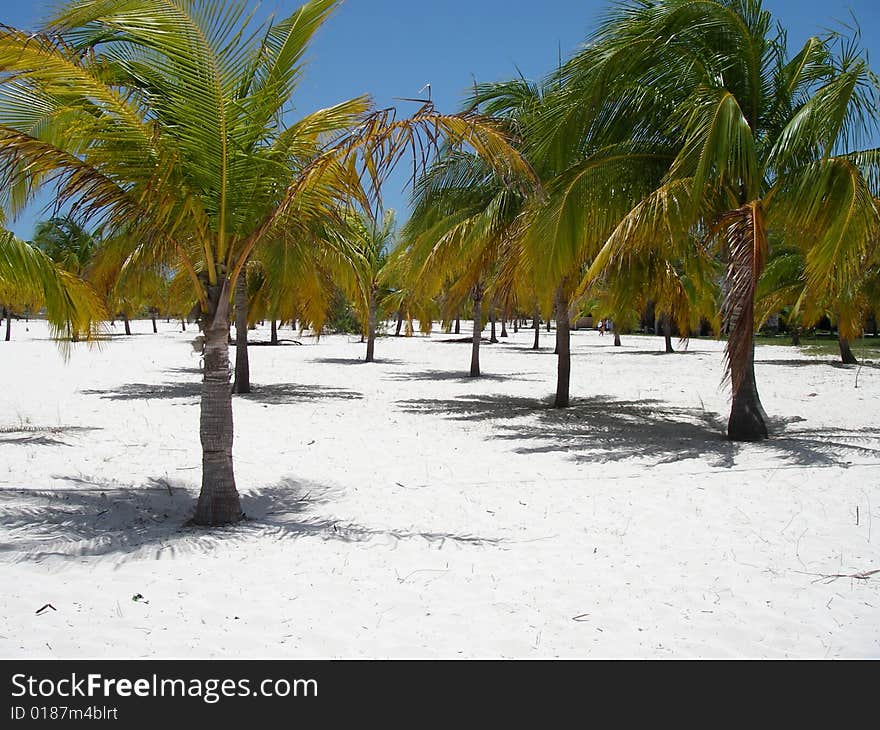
(28, 275)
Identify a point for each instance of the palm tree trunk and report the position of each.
(504, 324)
(537, 325)
(492, 339)
(127, 323)
(242, 362)
(478, 330)
(846, 353)
(273, 332)
(371, 335)
(183, 325)
(155, 329)
(8, 315)
(667, 331)
(218, 503)
(796, 336)
(399, 322)
(617, 342)
(457, 325)
(516, 324)
(748, 420)
(563, 350)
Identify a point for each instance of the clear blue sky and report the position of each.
(391, 48)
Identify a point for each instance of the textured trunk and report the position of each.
(846, 353)
(617, 342)
(273, 332)
(478, 331)
(537, 324)
(458, 325)
(748, 421)
(218, 503)
(515, 325)
(504, 325)
(8, 315)
(667, 332)
(371, 334)
(242, 362)
(399, 323)
(563, 351)
(493, 339)
(127, 324)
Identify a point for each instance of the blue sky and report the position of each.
(391, 48)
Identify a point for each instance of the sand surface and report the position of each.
(401, 509)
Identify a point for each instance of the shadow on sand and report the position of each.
(356, 361)
(607, 430)
(457, 376)
(813, 362)
(40, 436)
(101, 518)
(275, 394)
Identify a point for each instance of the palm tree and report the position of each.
(783, 287)
(66, 242)
(463, 217)
(763, 147)
(591, 177)
(369, 241)
(27, 275)
(165, 121)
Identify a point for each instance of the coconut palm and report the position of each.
(452, 243)
(764, 146)
(464, 236)
(67, 242)
(783, 288)
(166, 122)
(369, 242)
(28, 276)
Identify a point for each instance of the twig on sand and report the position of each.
(421, 570)
(831, 577)
(48, 605)
(581, 617)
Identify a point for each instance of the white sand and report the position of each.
(400, 509)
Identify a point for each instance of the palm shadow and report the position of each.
(624, 351)
(806, 362)
(445, 375)
(274, 394)
(107, 519)
(285, 393)
(356, 361)
(143, 391)
(602, 429)
(40, 436)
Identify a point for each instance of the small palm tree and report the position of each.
(783, 287)
(370, 241)
(763, 148)
(28, 276)
(165, 122)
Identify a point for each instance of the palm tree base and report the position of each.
(846, 353)
(746, 421)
